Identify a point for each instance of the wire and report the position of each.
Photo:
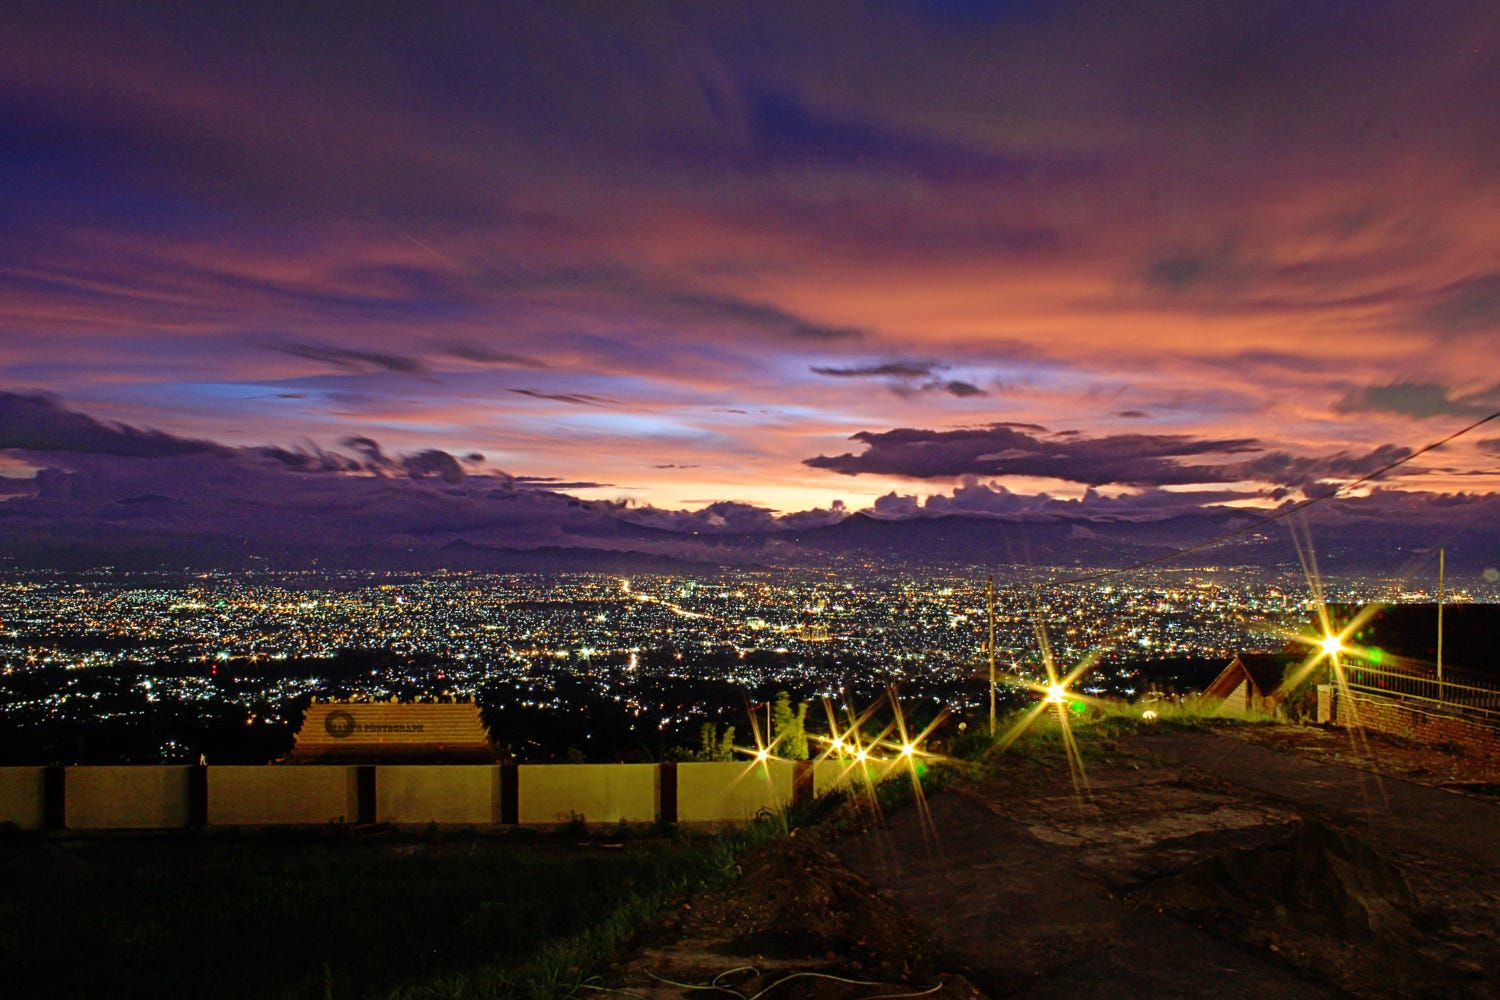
(591, 984)
(716, 984)
(1284, 512)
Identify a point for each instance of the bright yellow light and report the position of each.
(762, 755)
(907, 749)
(1148, 715)
(862, 756)
(838, 746)
(1056, 694)
(1332, 645)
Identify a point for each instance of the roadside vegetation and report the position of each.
(315, 915)
(447, 915)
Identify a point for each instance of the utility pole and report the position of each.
(990, 605)
(1441, 554)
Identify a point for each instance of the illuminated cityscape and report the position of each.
(663, 653)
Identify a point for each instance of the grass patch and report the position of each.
(1095, 731)
(321, 916)
(562, 967)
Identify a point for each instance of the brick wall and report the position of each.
(1388, 715)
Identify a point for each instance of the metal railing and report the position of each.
(1472, 695)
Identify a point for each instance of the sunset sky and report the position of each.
(785, 254)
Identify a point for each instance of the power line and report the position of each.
(1285, 512)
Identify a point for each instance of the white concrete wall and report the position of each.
(127, 798)
(600, 793)
(21, 800)
(281, 795)
(458, 793)
(736, 790)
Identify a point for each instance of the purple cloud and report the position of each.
(999, 450)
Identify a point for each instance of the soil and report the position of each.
(1191, 863)
(798, 923)
(1449, 766)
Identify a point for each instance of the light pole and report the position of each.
(990, 606)
(1440, 625)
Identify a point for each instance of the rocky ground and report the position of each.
(1239, 863)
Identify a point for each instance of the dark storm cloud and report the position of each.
(571, 398)
(617, 282)
(1419, 399)
(433, 462)
(1128, 459)
(953, 387)
(785, 131)
(429, 462)
(310, 459)
(41, 423)
(1468, 306)
(765, 316)
(725, 517)
(892, 369)
(110, 484)
(1179, 271)
(1140, 460)
(353, 359)
(483, 355)
(553, 483)
(1304, 472)
(973, 498)
(904, 376)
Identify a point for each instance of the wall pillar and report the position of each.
(198, 797)
(667, 784)
(55, 798)
(364, 792)
(510, 794)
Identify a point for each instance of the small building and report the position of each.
(1250, 683)
(392, 733)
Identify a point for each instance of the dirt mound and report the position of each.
(797, 923)
(1324, 901)
(814, 905)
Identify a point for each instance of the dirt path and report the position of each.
(1447, 844)
(1029, 892)
(1197, 864)
(1200, 864)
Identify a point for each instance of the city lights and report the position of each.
(541, 646)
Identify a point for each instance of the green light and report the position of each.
(1079, 707)
(1374, 656)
